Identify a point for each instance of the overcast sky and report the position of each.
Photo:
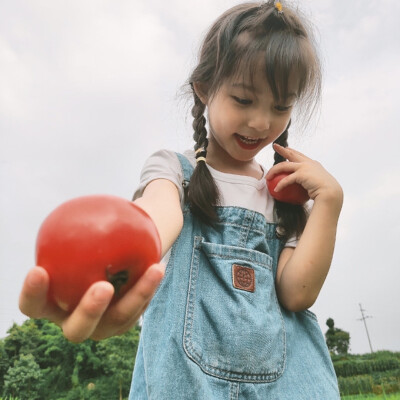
(89, 89)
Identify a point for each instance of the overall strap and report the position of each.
(187, 170)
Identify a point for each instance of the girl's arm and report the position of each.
(94, 317)
(161, 201)
(302, 270)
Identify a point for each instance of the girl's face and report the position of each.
(244, 118)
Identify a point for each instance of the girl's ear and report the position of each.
(201, 89)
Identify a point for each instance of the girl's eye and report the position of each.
(283, 108)
(243, 102)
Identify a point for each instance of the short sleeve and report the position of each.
(292, 242)
(163, 164)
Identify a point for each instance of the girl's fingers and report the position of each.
(288, 180)
(33, 297)
(124, 314)
(33, 300)
(80, 325)
(290, 154)
(93, 317)
(285, 166)
(121, 329)
(294, 163)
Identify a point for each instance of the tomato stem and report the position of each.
(118, 280)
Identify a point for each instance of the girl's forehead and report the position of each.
(257, 84)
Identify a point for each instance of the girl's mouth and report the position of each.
(246, 142)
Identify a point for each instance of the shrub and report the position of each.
(355, 385)
(361, 367)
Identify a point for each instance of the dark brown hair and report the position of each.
(232, 48)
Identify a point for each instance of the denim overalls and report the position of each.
(215, 330)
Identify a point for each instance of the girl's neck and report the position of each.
(220, 160)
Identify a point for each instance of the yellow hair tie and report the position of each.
(278, 6)
(200, 154)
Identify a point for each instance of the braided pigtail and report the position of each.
(292, 218)
(203, 193)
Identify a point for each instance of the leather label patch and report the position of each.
(243, 278)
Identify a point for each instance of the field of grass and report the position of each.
(392, 396)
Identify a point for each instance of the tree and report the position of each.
(38, 362)
(23, 339)
(118, 354)
(4, 364)
(65, 365)
(22, 380)
(337, 340)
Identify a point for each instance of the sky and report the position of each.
(88, 90)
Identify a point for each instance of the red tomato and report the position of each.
(95, 238)
(294, 193)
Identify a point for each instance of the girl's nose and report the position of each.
(260, 121)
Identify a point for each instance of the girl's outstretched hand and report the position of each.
(94, 317)
(309, 173)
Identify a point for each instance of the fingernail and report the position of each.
(156, 277)
(101, 294)
(161, 268)
(34, 280)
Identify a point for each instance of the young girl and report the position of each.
(229, 319)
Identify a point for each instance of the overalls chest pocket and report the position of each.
(234, 328)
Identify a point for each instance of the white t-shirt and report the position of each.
(235, 190)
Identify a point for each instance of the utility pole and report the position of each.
(364, 317)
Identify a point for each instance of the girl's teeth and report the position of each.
(248, 140)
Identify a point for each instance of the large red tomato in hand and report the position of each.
(94, 238)
(293, 193)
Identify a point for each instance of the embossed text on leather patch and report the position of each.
(243, 278)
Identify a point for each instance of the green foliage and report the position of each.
(23, 378)
(395, 396)
(355, 384)
(119, 358)
(4, 364)
(377, 373)
(37, 362)
(360, 367)
(337, 340)
(22, 339)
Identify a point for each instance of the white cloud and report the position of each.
(111, 55)
(386, 186)
(15, 79)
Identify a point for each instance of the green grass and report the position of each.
(392, 396)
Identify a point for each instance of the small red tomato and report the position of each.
(95, 238)
(294, 193)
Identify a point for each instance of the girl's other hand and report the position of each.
(94, 317)
(309, 173)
